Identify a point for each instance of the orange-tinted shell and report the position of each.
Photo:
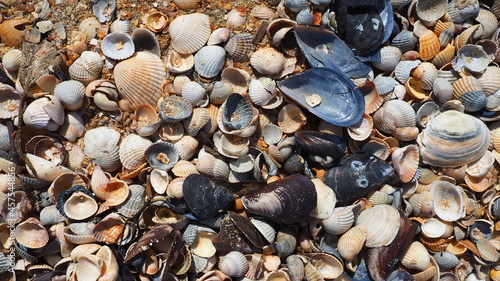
(428, 45)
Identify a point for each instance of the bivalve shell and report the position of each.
(268, 61)
(118, 46)
(178, 63)
(134, 202)
(189, 32)
(194, 93)
(139, 78)
(390, 57)
(467, 136)
(416, 257)
(220, 35)
(239, 46)
(174, 109)
(10, 100)
(132, 150)
(101, 145)
(449, 200)
(12, 60)
(87, 67)
(209, 60)
(429, 45)
(32, 234)
(162, 155)
(351, 242)
(471, 57)
(382, 223)
(234, 264)
(70, 94)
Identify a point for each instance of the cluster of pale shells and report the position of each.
(106, 146)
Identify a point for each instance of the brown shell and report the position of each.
(428, 45)
(139, 78)
(12, 31)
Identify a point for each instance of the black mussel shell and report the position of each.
(323, 145)
(381, 261)
(326, 93)
(237, 112)
(360, 274)
(309, 38)
(154, 235)
(205, 198)
(230, 238)
(247, 228)
(288, 200)
(365, 25)
(400, 275)
(357, 175)
(294, 165)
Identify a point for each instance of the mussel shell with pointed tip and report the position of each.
(365, 24)
(309, 38)
(340, 102)
(321, 144)
(288, 200)
(357, 175)
(204, 197)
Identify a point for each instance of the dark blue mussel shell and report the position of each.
(357, 175)
(205, 198)
(311, 38)
(365, 24)
(342, 104)
(321, 144)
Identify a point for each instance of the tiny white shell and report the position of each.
(118, 46)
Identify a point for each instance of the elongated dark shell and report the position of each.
(230, 238)
(323, 145)
(326, 93)
(309, 38)
(288, 200)
(247, 228)
(381, 261)
(204, 197)
(356, 176)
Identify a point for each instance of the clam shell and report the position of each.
(446, 260)
(209, 60)
(429, 45)
(263, 12)
(32, 234)
(237, 78)
(268, 61)
(390, 57)
(340, 221)
(425, 74)
(394, 114)
(488, 80)
(351, 242)
(193, 92)
(145, 40)
(101, 145)
(326, 200)
(262, 90)
(416, 257)
(178, 63)
(117, 46)
(184, 168)
(88, 267)
(235, 19)
(10, 99)
(12, 60)
(50, 215)
(405, 161)
(482, 166)
(156, 21)
(80, 206)
(404, 68)
(159, 180)
(361, 130)
(134, 202)
(291, 119)
(329, 266)
(449, 201)
(382, 223)
(234, 264)
(161, 155)
(237, 116)
(220, 92)
(467, 136)
(146, 120)
(487, 250)
(239, 46)
(73, 126)
(444, 56)
(132, 150)
(174, 109)
(187, 4)
(46, 112)
(14, 31)
(208, 164)
(431, 12)
(109, 229)
(405, 41)
(70, 93)
(189, 32)
(186, 147)
(44, 169)
(120, 25)
(442, 90)
(87, 67)
(219, 35)
(471, 57)
(139, 78)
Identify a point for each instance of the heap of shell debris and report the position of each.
(212, 140)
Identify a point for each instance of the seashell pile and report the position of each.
(270, 140)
